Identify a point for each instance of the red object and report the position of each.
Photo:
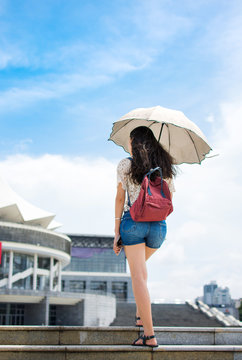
(154, 201)
(0, 252)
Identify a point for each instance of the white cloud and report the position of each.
(210, 118)
(11, 55)
(4, 59)
(22, 145)
(78, 190)
(53, 87)
(157, 23)
(221, 43)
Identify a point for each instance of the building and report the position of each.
(208, 292)
(31, 271)
(216, 296)
(94, 268)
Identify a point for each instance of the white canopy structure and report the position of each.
(15, 209)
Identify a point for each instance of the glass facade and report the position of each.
(22, 262)
(120, 289)
(99, 286)
(43, 282)
(44, 263)
(77, 286)
(23, 269)
(4, 267)
(95, 268)
(26, 283)
(96, 260)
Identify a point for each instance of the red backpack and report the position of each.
(154, 201)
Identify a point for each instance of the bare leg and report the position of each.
(148, 252)
(136, 256)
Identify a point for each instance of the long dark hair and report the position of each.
(148, 153)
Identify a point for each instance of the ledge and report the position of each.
(117, 348)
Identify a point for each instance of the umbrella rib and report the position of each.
(153, 122)
(193, 144)
(169, 135)
(127, 124)
(121, 127)
(160, 131)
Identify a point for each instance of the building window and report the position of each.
(99, 286)
(16, 314)
(22, 262)
(3, 314)
(11, 314)
(24, 284)
(43, 282)
(4, 268)
(52, 315)
(77, 286)
(43, 263)
(120, 289)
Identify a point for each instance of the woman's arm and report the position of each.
(119, 206)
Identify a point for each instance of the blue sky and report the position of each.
(70, 69)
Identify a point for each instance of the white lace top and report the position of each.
(128, 185)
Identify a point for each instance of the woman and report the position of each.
(140, 239)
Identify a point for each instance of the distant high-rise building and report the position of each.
(216, 296)
(208, 292)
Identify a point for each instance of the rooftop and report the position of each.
(13, 208)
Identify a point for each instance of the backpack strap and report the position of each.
(151, 172)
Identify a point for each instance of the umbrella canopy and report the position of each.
(177, 134)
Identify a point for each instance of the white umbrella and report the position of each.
(177, 134)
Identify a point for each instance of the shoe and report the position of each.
(144, 338)
(136, 319)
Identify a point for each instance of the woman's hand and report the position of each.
(116, 248)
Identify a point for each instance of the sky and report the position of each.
(69, 69)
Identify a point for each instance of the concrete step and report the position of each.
(120, 352)
(81, 335)
(166, 315)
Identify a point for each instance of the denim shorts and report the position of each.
(151, 233)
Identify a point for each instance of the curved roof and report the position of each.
(15, 209)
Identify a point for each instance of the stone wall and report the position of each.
(99, 310)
